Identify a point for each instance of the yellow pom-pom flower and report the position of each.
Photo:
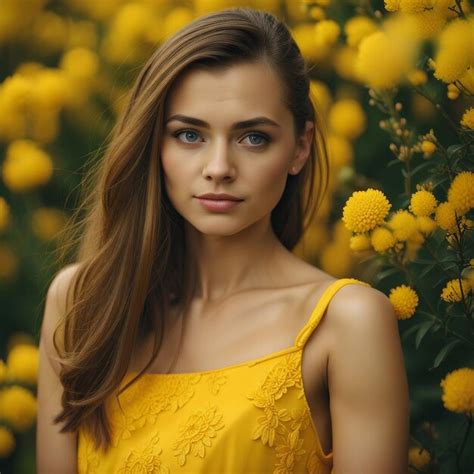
(340, 151)
(423, 203)
(425, 224)
(365, 210)
(458, 391)
(22, 363)
(360, 242)
(392, 5)
(415, 6)
(357, 28)
(451, 293)
(417, 77)
(7, 442)
(347, 118)
(418, 458)
(404, 301)
(26, 166)
(18, 406)
(4, 214)
(461, 192)
(80, 63)
(428, 147)
(403, 224)
(454, 53)
(326, 33)
(3, 371)
(467, 119)
(382, 239)
(176, 19)
(445, 216)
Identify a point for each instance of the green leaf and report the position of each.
(386, 273)
(426, 270)
(425, 327)
(420, 167)
(444, 352)
(411, 330)
(393, 162)
(454, 149)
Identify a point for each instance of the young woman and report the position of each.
(193, 339)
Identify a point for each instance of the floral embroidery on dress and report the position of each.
(314, 464)
(215, 382)
(146, 461)
(280, 427)
(169, 394)
(197, 433)
(89, 457)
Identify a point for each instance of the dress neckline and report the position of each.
(249, 362)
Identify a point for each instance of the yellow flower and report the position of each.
(452, 92)
(326, 33)
(461, 192)
(429, 23)
(458, 391)
(26, 166)
(415, 6)
(4, 214)
(404, 301)
(418, 457)
(347, 118)
(451, 293)
(455, 50)
(425, 224)
(445, 216)
(80, 63)
(357, 28)
(417, 77)
(7, 442)
(423, 203)
(359, 242)
(468, 118)
(18, 406)
(467, 80)
(392, 5)
(22, 363)
(365, 210)
(382, 239)
(428, 147)
(176, 19)
(47, 222)
(303, 35)
(382, 62)
(403, 224)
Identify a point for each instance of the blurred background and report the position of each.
(393, 83)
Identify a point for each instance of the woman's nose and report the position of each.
(219, 163)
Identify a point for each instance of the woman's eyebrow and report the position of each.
(238, 125)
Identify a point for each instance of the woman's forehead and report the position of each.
(245, 85)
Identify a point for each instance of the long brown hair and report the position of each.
(132, 259)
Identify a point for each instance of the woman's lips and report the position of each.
(219, 205)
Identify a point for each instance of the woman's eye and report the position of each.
(189, 135)
(259, 139)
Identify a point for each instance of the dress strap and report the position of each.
(320, 308)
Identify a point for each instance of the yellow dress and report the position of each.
(251, 417)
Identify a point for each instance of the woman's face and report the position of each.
(207, 147)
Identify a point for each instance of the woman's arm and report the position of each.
(55, 452)
(367, 384)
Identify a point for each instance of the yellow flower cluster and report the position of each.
(458, 391)
(22, 363)
(454, 290)
(365, 210)
(26, 166)
(347, 118)
(467, 119)
(18, 407)
(461, 192)
(357, 28)
(445, 216)
(423, 203)
(47, 223)
(455, 50)
(418, 458)
(404, 300)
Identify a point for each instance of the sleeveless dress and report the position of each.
(250, 417)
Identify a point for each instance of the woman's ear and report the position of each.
(303, 149)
